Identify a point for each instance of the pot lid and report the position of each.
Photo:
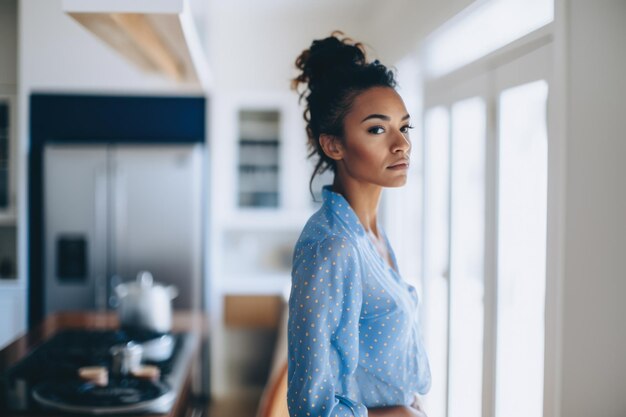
(143, 284)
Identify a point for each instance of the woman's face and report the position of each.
(376, 146)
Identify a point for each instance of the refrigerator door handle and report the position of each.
(119, 241)
(99, 245)
(114, 299)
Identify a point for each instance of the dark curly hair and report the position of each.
(333, 72)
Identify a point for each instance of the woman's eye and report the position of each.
(376, 130)
(405, 129)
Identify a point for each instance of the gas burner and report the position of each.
(121, 396)
(48, 376)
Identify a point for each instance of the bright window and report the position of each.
(485, 209)
(467, 258)
(522, 190)
(437, 168)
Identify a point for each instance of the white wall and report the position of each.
(593, 367)
(255, 50)
(396, 27)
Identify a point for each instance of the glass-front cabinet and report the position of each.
(259, 158)
(12, 288)
(8, 229)
(4, 154)
(260, 189)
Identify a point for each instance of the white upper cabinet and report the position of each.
(260, 190)
(158, 36)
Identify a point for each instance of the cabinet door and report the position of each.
(5, 151)
(11, 315)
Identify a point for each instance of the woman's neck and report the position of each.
(364, 199)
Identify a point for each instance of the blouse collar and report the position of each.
(339, 206)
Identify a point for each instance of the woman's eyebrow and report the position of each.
(383, 117)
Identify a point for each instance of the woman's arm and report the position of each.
(324, 306)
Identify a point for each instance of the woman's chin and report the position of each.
(397, 182)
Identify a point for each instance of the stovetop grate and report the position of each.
(59, 357)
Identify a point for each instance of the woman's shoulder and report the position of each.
(325, 251)
(322, 230)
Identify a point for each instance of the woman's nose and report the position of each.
(401, 143)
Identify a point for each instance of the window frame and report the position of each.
(513, 64)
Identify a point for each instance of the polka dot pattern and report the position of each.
(354, 335)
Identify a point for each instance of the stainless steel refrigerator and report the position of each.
(114, 210)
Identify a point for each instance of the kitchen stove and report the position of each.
(48, 376)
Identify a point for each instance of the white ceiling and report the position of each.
(407, 22)
(253, 43)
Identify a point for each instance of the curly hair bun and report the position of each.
(333, 71)
(327, 58)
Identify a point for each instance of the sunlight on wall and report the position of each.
(483, 28)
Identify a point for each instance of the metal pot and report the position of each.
(126, 358)
(145, 305)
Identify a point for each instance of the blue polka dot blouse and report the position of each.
(354, 336)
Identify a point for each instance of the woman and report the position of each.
(355, 345)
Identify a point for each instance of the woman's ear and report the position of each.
(332, 147)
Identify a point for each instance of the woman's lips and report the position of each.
(399, 166)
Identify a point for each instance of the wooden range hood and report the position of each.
(158, 36)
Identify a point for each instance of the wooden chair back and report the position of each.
(274, 399)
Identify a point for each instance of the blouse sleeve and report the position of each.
(324, 309)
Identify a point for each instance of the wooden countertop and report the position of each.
(194, 322)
